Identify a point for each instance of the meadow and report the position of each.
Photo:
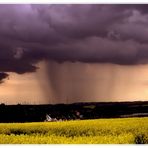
(99, 131)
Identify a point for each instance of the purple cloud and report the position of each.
(86, 33)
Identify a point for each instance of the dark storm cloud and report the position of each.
(3, 76)
(87, 33)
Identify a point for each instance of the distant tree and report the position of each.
(2, 104)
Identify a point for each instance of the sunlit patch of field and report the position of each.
(100, 131)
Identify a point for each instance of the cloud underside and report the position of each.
(3, 76)
(86, 33)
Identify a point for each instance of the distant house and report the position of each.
(49, 119)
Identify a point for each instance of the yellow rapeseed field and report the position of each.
(100, 131)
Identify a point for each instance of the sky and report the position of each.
(73, 53)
